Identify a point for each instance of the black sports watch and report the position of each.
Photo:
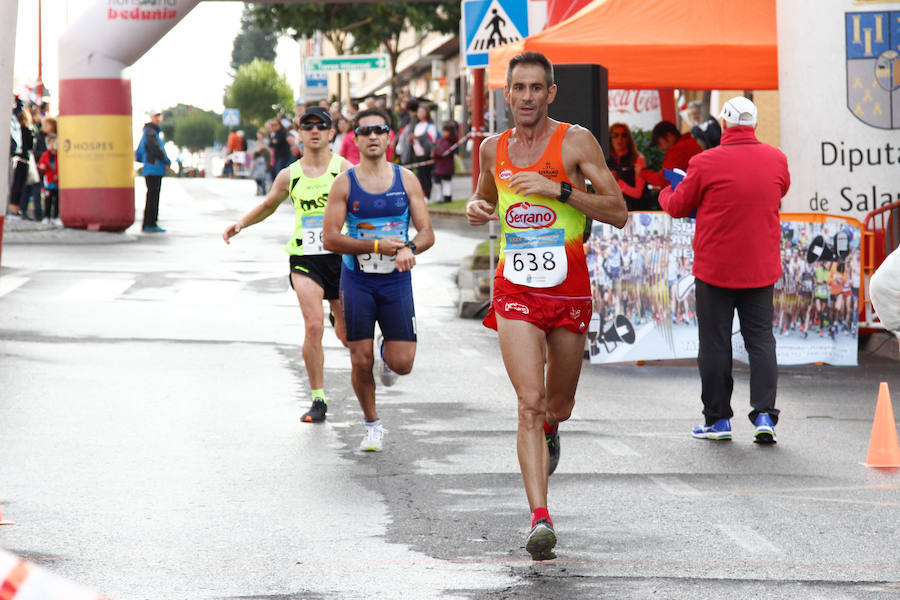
(412, 246)
(565, 190)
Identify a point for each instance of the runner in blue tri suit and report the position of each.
(376, 201)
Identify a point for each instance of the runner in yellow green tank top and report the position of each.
(533, 177)
(315, 273)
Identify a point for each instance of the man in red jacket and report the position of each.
(679, 148)
(736, 189)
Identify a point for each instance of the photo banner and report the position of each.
(643, 291)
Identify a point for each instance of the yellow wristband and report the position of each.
(375, 249)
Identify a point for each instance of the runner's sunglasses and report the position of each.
(368, 130)
(310, 126)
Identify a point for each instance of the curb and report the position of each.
(21, 231)
(472, 303)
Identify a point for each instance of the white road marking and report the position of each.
(617, 448)
(205, 292)
(747, 538)
(9, 283)
(674, 486)
(97, 290)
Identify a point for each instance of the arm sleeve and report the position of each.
(787, 177)
(655, 178)
(885, 291)
(684, 200)
(152, 150)
(44, 163)
(636, 190)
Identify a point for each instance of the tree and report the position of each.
(390, 19)
(252, 42)
(259, 92)
(174, 114)
(196, 131)
(362, 27)
(336, 21)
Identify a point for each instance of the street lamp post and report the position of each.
(39, 88)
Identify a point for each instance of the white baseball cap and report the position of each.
(153, 112)
(739, 111)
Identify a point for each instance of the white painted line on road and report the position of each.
(8, 284)
(206, 292)
(495, 371)
(674, 486)
(97, 290)
(748, 539)
(617, 448)
(470, 352)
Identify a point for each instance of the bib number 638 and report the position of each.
(536, 267)
(531, 261)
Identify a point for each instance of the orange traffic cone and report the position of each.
(884, 449)
(2, 522)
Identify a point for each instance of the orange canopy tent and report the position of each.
(690, 44)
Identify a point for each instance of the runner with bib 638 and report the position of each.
(533, 178)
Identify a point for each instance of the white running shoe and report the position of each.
(374, 440)
(388, 377)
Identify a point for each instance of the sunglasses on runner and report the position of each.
(310, 126)
(368, 130)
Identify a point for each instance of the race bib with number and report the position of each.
(536, 258)
(376, 263)
(378, 229)
(312, 235)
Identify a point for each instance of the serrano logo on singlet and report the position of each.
(505, 174)
(523, 215)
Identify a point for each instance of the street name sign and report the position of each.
(350, 62)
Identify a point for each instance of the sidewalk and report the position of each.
(462, 190)
(22, 231)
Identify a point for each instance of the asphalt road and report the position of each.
(150, 447)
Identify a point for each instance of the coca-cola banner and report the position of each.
(643, 291)
(639, 109)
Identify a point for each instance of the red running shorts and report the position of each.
(545, 312)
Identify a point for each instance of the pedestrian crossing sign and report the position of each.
(490, 23)
(231, 117)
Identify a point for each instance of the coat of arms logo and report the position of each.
(873, 67)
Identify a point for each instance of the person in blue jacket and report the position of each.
(152, 153)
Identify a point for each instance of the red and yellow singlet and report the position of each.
(541, 239)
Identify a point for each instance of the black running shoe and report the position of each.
(316, 414)
(553, 447)
(541, 541)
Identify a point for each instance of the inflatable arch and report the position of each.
(95, 144)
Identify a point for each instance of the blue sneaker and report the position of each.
(765, 429)
(153, 229)
(720, 430)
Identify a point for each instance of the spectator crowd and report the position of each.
(33, 191)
